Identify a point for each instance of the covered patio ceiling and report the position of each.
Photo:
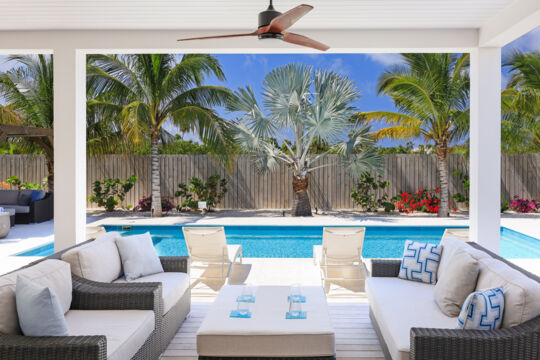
(73, 28)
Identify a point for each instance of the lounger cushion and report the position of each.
(39, 310)
(398, 305)
(97, 260)
(451, 245)
(54, 274)
(521, 293)
(139, 257)
(126, 330)
(456, 282)
(174, 286)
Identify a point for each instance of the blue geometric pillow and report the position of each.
(420, 262)
(482, 310)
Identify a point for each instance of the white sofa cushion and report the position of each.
(451, 245)
(398, 305)
(174, 286)
(126, 330)
(54, 274)
(521, 293)
(97, 260)
(39, 310)
(139, 257)
(456, 282)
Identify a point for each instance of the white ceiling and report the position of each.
(242, 14)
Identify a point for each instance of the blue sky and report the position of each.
(249, 69)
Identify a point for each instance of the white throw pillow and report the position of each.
(456, 282)
(420, 262)
(39, 310)
(482, 310)
(139, 257)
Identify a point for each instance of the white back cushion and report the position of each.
(450, 246)
(98, 260)
(521, 293)
(54, 274)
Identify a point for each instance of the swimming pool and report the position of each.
(298, 241)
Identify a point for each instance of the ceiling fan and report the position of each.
(272, 25)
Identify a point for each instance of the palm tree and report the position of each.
(308, 107)
(431, 92)
(27, 90)
(146, 92)
(521, 103)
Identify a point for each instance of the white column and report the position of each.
(69, 147)
(485, 147)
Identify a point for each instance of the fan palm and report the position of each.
(27, 90)
(431, 92)
(146, 92)
(521, 103)
(308, 107)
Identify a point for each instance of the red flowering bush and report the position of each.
(523, 205)
(145, 204)
(423, 200)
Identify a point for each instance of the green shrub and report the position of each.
(212, 192)
(19, 184)
(365, 193)
(109, 192)
(464, 178)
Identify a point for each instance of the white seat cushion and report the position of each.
(97, 260)
(521, 293)
(398, 305)
(126, 330)
(174, 286)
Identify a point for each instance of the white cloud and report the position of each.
(338, 65)
(386, 59)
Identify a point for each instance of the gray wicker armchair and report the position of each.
(89, 295)
(521, 342)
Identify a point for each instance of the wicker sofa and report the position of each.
(93, 295)
(413, 327)
(28, 212)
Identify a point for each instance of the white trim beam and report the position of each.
(515, 21)
(485, 148)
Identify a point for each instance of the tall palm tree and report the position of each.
(146, 92)
(521, 103)
(302, 108)
(431, 92)
(27, 90)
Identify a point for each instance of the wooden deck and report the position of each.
(355, 336)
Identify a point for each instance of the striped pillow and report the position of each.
(420, 262)
(482, 310)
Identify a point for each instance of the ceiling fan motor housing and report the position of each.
(265, 17)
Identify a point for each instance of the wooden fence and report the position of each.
(329, 186)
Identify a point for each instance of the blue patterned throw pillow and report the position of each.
(420, 262)
(482, 310)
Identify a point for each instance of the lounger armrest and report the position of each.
(91, 295)
(237, 254)
(385, 268)
(19, 347)
(519, 342)
(175, 263)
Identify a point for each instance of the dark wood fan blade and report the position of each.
(219, 36)
(287, 19)
(304, 41)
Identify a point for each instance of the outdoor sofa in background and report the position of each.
(27, 211)
(95, 295)
(410, 325)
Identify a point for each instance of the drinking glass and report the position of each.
(295, 309)
(295, 293)
(242, 308)
(247, 293)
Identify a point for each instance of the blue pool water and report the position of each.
(298, 241)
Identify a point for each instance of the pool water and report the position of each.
(298, 241)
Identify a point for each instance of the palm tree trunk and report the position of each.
(442, 168)
(156, 190)
(302, 205)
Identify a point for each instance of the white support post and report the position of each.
(69, 147)
(485, 147)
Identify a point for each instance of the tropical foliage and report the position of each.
(212, 191)
(309, 106)
(431, 92)
(145, 93)
(108, 193)
(521, 103)
(370, 193)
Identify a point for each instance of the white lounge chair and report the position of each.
(210, 257)
(340, 257)
(457, 233)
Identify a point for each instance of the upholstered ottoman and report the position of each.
(267, 334)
